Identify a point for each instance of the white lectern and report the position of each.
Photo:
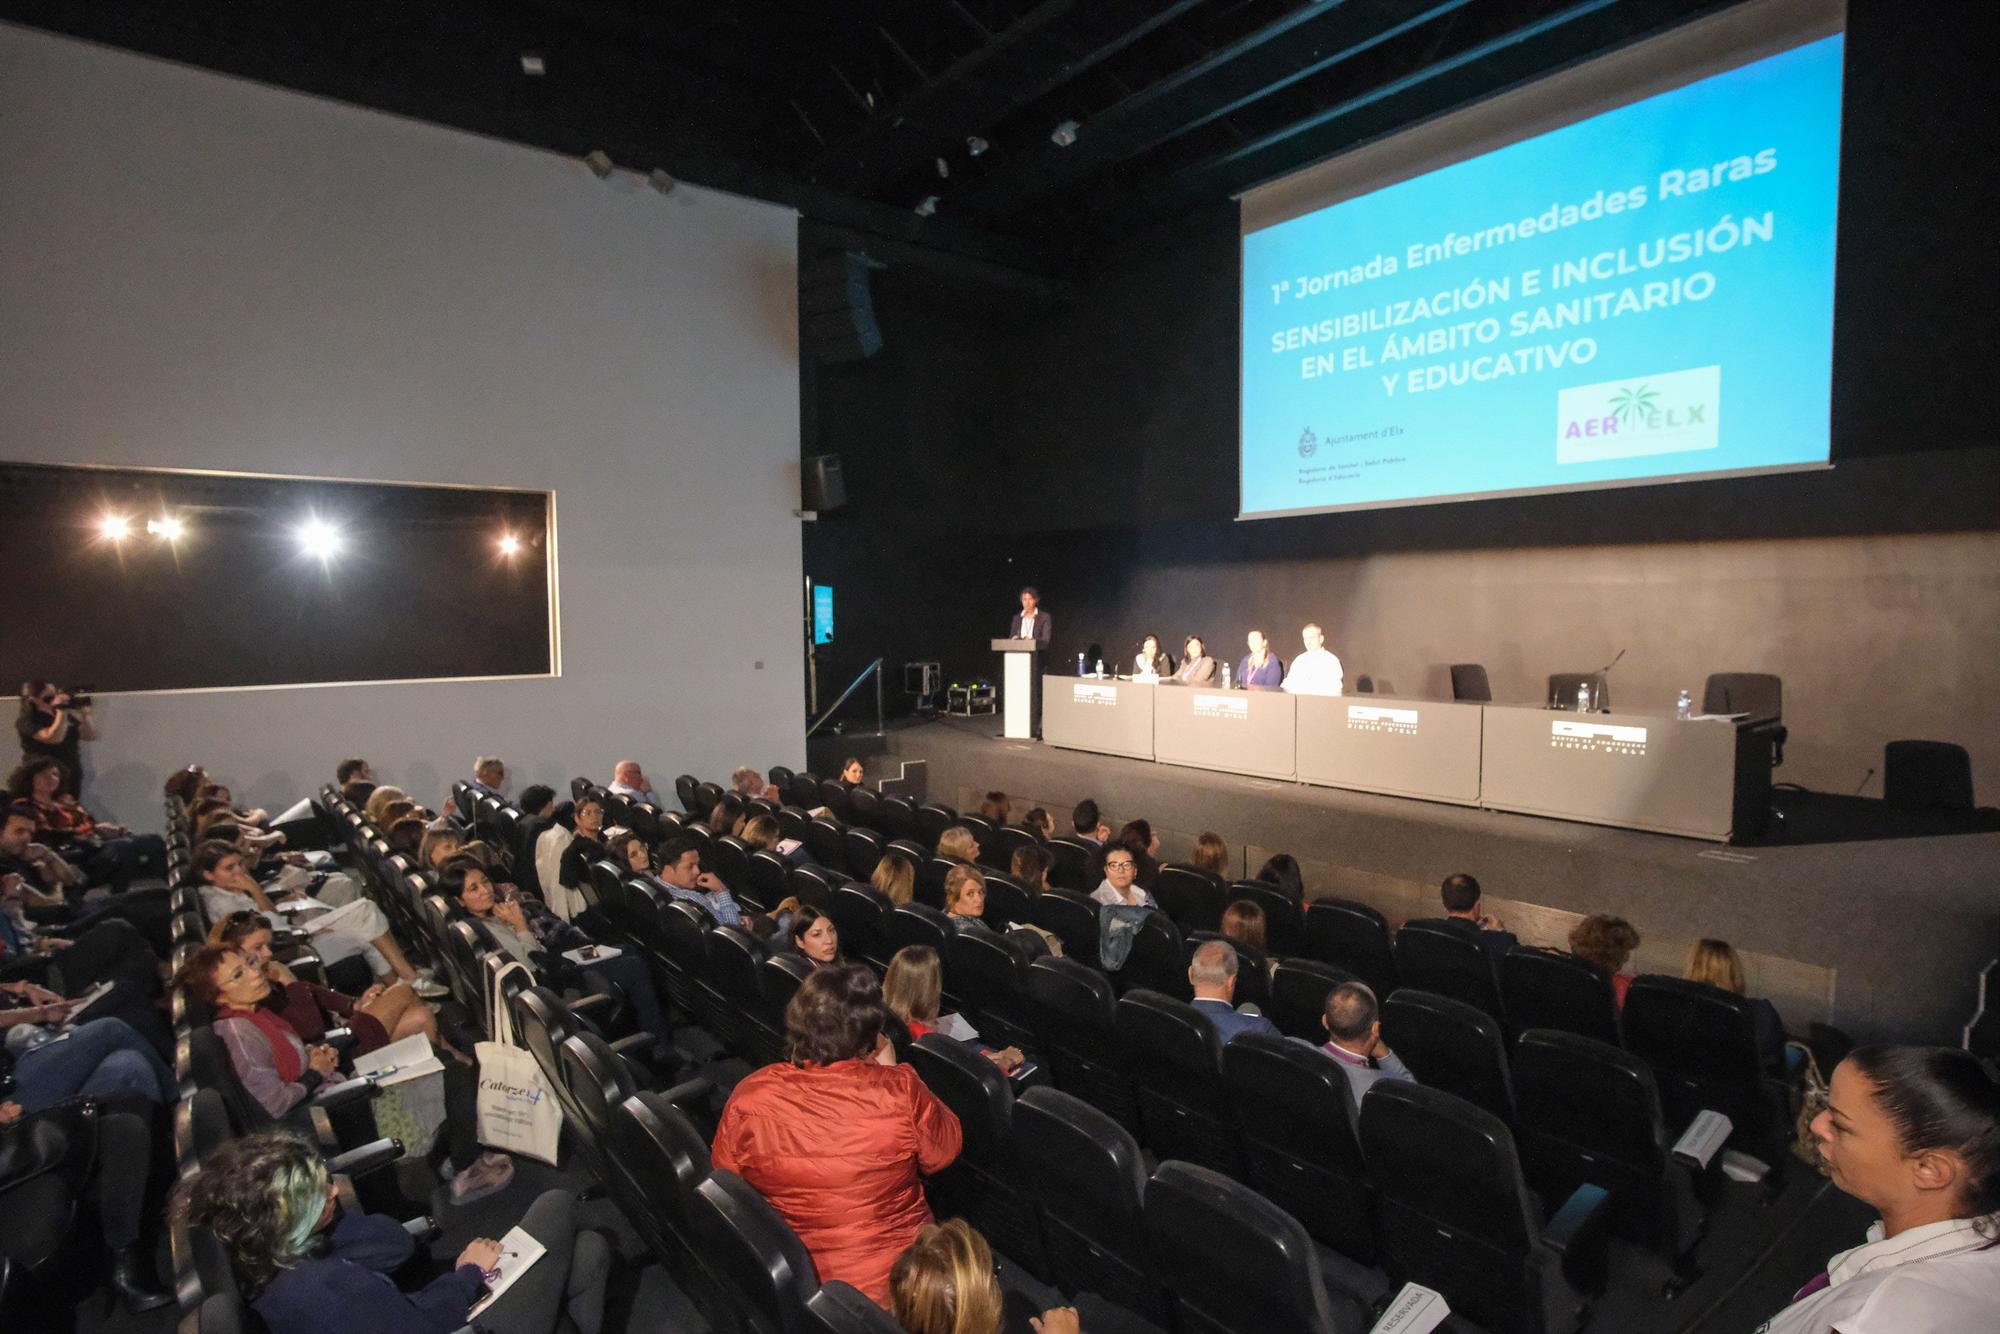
(1017, 687)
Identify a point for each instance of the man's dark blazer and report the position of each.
(1044, 628)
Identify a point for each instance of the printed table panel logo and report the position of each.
(1374, 718)
(1096, 695)
(1221, 706)
(1648, 414)
(1602, 738)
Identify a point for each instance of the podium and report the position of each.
(1017, 687)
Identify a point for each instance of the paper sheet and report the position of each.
(412, 1058)
(518, 1253)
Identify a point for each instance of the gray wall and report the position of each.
(203, 273)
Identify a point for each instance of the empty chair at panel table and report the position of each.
(1253, 968)
(1927, 775)
(1284, 918)
(1468, 683)
(1174, 1059)
(1074, 1014)
(1563, 687)
(860, 913)
(1300, 1146)
(1701, 1043)
(1450, 1045)
(985, 1184)
(1235, 1262)
(825, 837)
(1454, 1213)
(861, 848)
(1544, 989)
(756, 1256)
(1450, 962)
(1194, 898)
(1088, 1174)
(1299, 989)
(1354, 937)
(932, 820)
(1590, 1113)
(1072, 919)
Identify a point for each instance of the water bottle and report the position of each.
(1079, 666)
(1100, 669)
(1684, 707)
(1225, 676)
(1583, 697)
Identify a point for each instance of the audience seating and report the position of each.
(932, 820)
(899, 818)
(1075, 1018)
(1158, 961)
(1191, 896)
(840, 1309)
(760, 1262)
(1701, 1043)
(1072, 862)
(1450, 1045)
(860, 914)
(1007, 901)
(1544, 989)
(1298, 997)
(1456, 1215)
(1355, 937)
(1174, 1059)
(1072, 919)
(1253, 968)
(769, 876)
(862, 848)
(987, 1185)
(1300, 1145)
(1009, 839)
(666, 1158)
(986, 969)
(1437, 958)
(826, 836)
(1284, 919)
(728, 860)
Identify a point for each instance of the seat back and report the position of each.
(1759, 694)
(862, 847)
(1468, 683)
(755, 1254)
(803, 791)
(1158, 961)
(666, 1155)
(1008, 902)
(1253, 968)
(1298, 997)
(1544, 989)
(1235, 1262)
(1441, 959)
(1927, 775)
(728, 859)
(1453, 1209)
(794, 822)
(1072, 918)
(768, 874)
(899, 817)
(1300, 1146)
(1562, 690)
(833, 796)
(608, 879)
(838, 1308)
(826, 837)
(1194, 898)
(813, 885)
(1451, 1046)
(544, 1024)
(1011, 838)
(752, 1027)
(1701, 1043)
(1284, 918)
(860, 913)
(1355, 937)
(919, 924)
(986, 970)
(985, 1184)
(1071, 860)
(1074, 1014)
(931, 873)
(781, 975)
(932, 820)
(685, 787)
(982, 834)
(1086, 1171)
(596, 1081)
(1174, 1059)
(708, 796)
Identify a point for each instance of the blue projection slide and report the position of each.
(1644, 294)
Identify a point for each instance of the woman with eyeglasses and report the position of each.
(383, 1014)
(1121, 880)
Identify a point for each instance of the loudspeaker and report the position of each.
(820, 486)
(836, 307)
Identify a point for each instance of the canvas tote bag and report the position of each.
(518, 1112)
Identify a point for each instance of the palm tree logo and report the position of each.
(1633, 403)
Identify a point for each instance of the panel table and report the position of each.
(1235, 731)
(1422, 748)
(1109, 717)
(1699, 778)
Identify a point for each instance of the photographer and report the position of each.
(54, 724)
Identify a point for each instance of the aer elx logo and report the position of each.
(1308, 442)
(1647, 414)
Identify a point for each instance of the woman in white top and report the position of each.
(1915, 1132)
(1121, 880)
(1150, 661)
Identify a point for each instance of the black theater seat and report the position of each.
(758, 1259)
(1194, 898)
(1175, 1060)
(1444, 960)
(1284, 918)
(1355, 937)
(1253, 968)
(1072, 918)
(986, 971)
(860, 913)
(1298, 997)
(1300, 1144)
(666, 1157)
(987, 1184)
(1450, 1045)
(840, 1309)
(1074, 1015)
(1544, 989)
(862, 847)
(1701, 1043)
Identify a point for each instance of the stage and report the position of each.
(1850, 917)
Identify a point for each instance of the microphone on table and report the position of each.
(1603, 671)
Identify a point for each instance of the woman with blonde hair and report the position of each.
(958, 841)
(1210, 854)
(895, 878)
(913, 988)
(1717, 964)
(944, 1284)
(380, 797)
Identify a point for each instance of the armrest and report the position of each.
(340, 1039)
(1572, 1221)
(689, 1091)
(423, 1228)
(641, 1042)
(367, 1158)
(347, 1093)
(585, 1004)
(1577, 1234)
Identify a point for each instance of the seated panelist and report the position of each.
(1150, 661)
(1315, 671)
(1197, 668)
(1260, 666)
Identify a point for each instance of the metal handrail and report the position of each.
(872, 669)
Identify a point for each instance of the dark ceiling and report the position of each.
(855, 112)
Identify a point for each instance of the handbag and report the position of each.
(518, 1112)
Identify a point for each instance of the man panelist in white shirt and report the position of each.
(1315, 671)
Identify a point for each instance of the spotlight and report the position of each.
(975, 145)
(166, 526)
(1064, 134)
(600, 163)
(509, 544)
(927, 206)
(661, 181)
(943, 168)
(114, 527)
(319, 539)
(533, 65)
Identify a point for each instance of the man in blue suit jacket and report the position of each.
(1213, 976)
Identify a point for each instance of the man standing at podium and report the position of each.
(1031, 622)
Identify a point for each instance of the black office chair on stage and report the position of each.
(1563, 687)
(1468, 683)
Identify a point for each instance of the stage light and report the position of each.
(319, 539)
(509, 544)
(533, 65)
(166, 526)
(927, 206)
(1064, 134)
(975, 145)
(114, 527)
(600, 163)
